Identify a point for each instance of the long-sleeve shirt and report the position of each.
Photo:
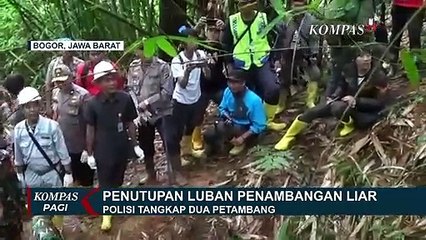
(49, 135)
(154, 84)
(254, 116)
(374, 95)
(408, 3)
(69, 109)
(289, 33)
(58, 61)
(86, 82)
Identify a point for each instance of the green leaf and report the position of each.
(278, 6)
(282, 232)
(315, 5)
(166, 46)
(271, 25)
(193, 41)
(409, 64)
(150, 47)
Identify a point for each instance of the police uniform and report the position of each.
(11, 196)
(69, 110)
(251, 53)
(152, 84)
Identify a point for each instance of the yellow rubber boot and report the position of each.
(236, 150)
(282, 101)
(185, 146)
(296, 127)
(197, 143)
(270, 114)
(312, 92)
(348, 128)
(58, 222)
(106, 223)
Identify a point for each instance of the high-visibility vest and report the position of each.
(252, 49)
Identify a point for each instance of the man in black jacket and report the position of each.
(352, 109)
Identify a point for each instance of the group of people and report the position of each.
(96, 117)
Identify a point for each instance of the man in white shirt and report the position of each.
(187, 68)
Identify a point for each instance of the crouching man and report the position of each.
(361, 111)
(242, 117)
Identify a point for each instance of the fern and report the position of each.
(267, 160)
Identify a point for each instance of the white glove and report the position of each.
(137, 121)
(84, 157)
(21, 179)
(68, 180)
(91, 162)
(139, 152)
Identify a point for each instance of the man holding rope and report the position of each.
(358, 101)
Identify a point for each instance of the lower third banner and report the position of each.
(227, 201)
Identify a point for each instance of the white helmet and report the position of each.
(28, 94)
(103, 68)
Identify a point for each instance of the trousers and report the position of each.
(400, 16)
(221, 133)
(362, 119)
(81, 172)
(310, 70)
(146, 138)
(184, 121)
(215, 96)
(264, 82)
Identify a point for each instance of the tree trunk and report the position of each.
(172, 17)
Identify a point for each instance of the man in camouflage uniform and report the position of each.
(11, 198)
(150, 84)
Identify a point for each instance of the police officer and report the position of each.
(66, 58)
(303, 49)
(251, 53)
(70, 100)
(150, 83)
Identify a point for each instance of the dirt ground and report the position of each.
(208, 172)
